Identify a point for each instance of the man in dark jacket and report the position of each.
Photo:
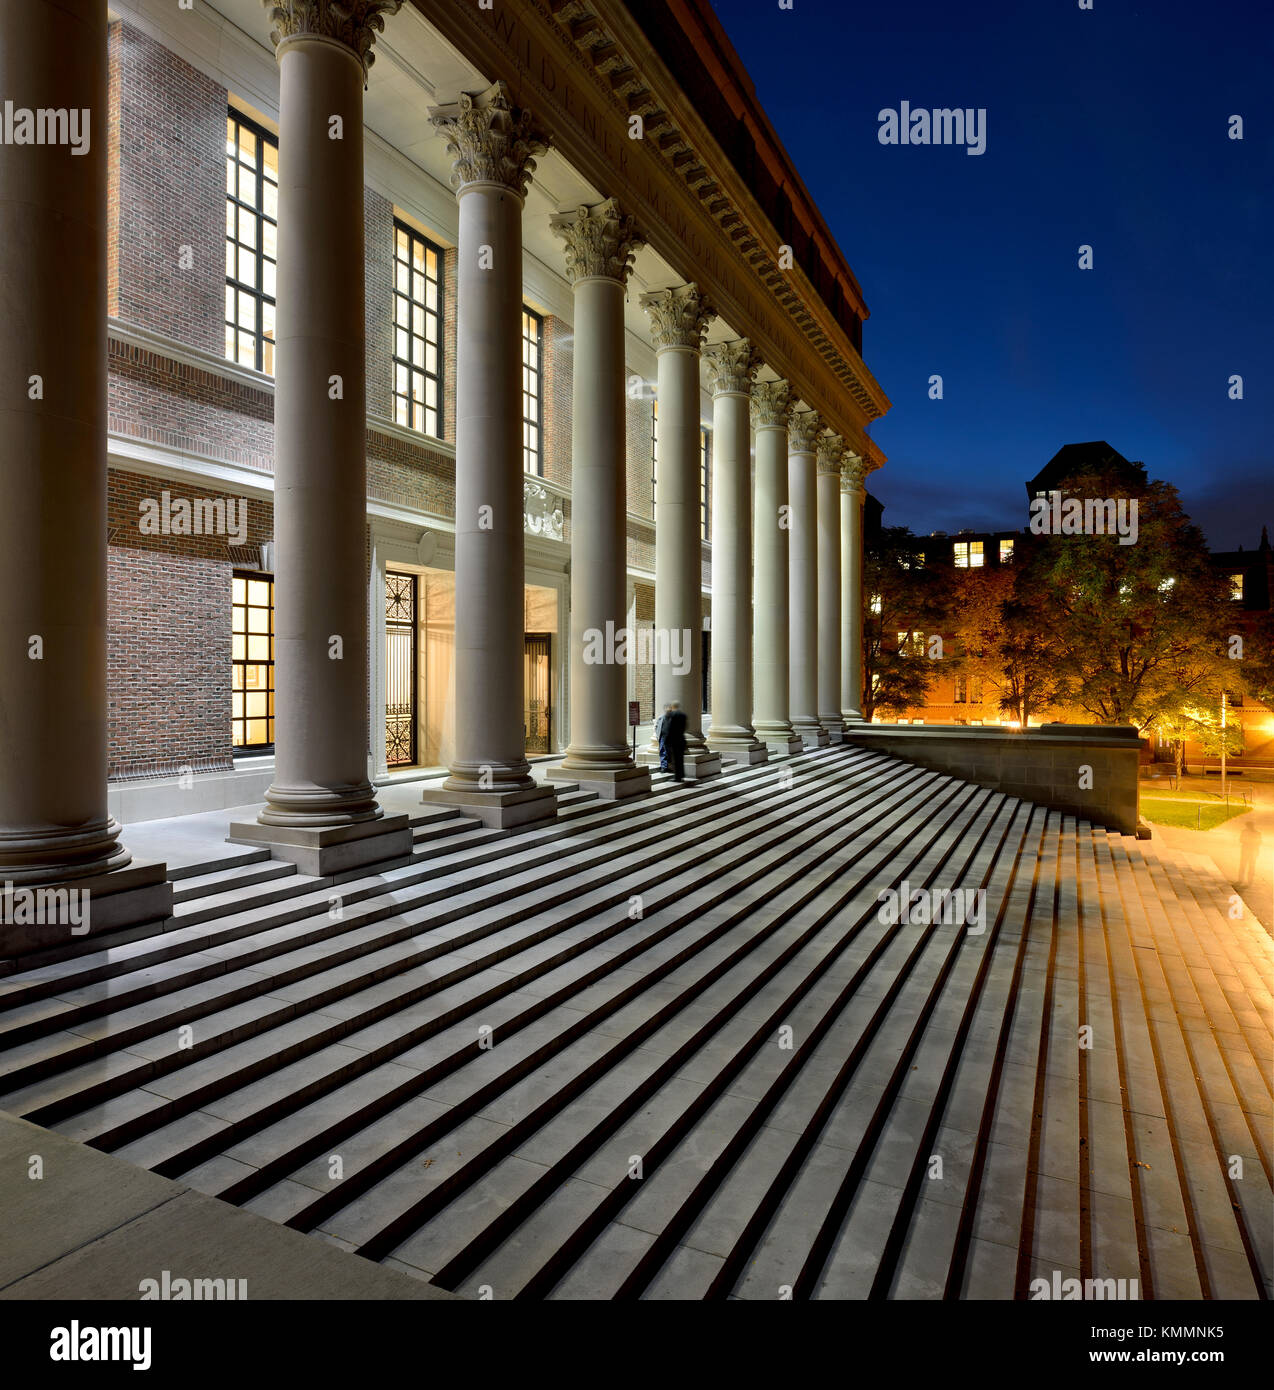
(661, 738)
(675, 738)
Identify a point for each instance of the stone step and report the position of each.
(224, 880)
(583, 910)
(131, 1026)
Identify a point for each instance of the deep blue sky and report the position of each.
(1106, 127)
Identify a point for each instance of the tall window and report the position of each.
(252, 661)
(969, 555)
(705, 480)
(532, 400)
(1006, 550)
(1236, 586)
(252, 232)
(654, 451)
(417, 331)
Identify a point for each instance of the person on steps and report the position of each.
(675, 736)
(661, 738)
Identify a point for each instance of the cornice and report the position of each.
(584, 61)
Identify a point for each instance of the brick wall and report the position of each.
(378, 232)
(168, 632)
(167, 136)
(555, 390)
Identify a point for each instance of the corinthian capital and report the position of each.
(771, 404)
(678, 317)
(853, 472)
(600, 241)
(354, 23)
(831, 447)
(489, 139)
(803, 429)
(731, 366)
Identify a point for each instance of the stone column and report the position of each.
(771, 410)
(55, 828)
(493, 147)
(600, 243)
(731, 368)
(853, 473)
(321, 810)
(803, 432)
(679, 317)
(830, 452)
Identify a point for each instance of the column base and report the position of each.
(701, 761)
(852, 716)
(610, 783)
(499, 810)
(127, 897)
(833, 725)
(811, 733)
(327, 850)
(739, 750)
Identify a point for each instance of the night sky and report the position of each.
(1106, 127)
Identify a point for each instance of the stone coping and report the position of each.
(93, 1226)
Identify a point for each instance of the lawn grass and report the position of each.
(1183, 811)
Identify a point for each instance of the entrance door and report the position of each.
(537, 718)
(400, 669)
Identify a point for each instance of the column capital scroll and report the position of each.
(678, 317)
(353, 23)
(601, 241)
(489, 139)
(803, 430)
(853, 472)
(771, 404)
(830, 449)
(731, 367)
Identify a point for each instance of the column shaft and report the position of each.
(732, 366)
(770, 662)
(54, 822)
(803, 583)
(490, 776)
(851, 522)
(829, 595)
(321, 809)
(600, 243)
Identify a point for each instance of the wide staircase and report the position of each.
(675, 1049)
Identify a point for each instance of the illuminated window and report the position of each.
(252, 242)
(417, 332)
(532, 402)
(875, 604)
(962, 690)
(1236, 586)
(1006, 550)
(920, 559)
(705, 481)
(968, 555)
(252, 661)
(911, 644)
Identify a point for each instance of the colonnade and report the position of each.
(786, 535)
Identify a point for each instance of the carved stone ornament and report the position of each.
(731, 366)
(853, 472)
(354, 23)
(542, 514)
(600, 241)
(771, 404)
(803, 430)
(489, 139)
(831, 448)
(678, 317)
